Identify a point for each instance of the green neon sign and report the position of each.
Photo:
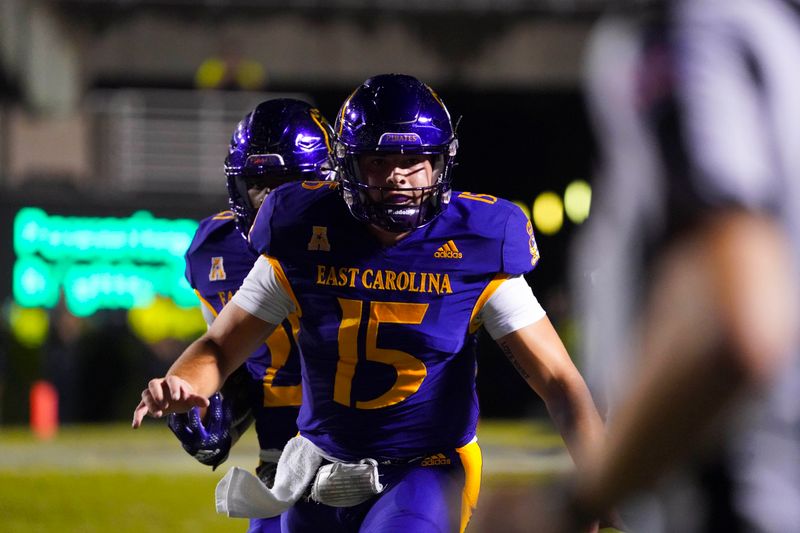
(100, 263)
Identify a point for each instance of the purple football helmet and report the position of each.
(281, 140)
(394, 113)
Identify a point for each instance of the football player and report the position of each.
(279, 141)
(391, 273)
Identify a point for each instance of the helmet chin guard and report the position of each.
(392, 217)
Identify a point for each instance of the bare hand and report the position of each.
(170, 394)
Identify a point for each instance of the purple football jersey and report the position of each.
(217, 261)
(388, 333)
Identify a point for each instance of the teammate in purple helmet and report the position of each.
(279, 141)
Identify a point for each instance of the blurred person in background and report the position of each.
(391, 274)
(688, 269)
(281, 140)
(63, 352)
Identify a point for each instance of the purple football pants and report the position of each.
(436, 495)
(265, 525)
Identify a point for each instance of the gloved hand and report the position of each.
(209, 440)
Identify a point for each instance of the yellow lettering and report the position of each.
(390, 277)
(364, 282)
(446, 284)
(225, 298)
(378, 282)
(320, 274)
(331, 280)
(402, 281)
(388, 280)
(433, 282)
(342, 277)
(353, 274)
(411, 286)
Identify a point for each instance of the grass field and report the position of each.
(113, 479)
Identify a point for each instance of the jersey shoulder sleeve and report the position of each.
(209, 228)
(287, 208)
(520, 251)
(504, 222)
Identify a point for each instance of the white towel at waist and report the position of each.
(240, 494)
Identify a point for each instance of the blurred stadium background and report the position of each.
(114, 121)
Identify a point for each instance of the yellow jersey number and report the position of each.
(410, 370)
(280, 346)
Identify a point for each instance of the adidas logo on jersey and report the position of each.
(448, 251)
(438, 459)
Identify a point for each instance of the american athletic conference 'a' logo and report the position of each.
(319, 239)
(217, 272)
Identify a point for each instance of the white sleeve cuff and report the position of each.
(512, 306)
(262, 295)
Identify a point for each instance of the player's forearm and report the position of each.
(200, 365)
(230, 339)
(539, 356)
(574, 414)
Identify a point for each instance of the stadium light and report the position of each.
(162, 319)
(578, 201)
(29, 325)
(548, 213)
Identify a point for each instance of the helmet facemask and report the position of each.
(373, 204)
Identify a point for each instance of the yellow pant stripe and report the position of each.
(472, 460)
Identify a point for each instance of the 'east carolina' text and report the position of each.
(384, 280)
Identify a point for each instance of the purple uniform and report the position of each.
(217, 261)
(388, 336)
